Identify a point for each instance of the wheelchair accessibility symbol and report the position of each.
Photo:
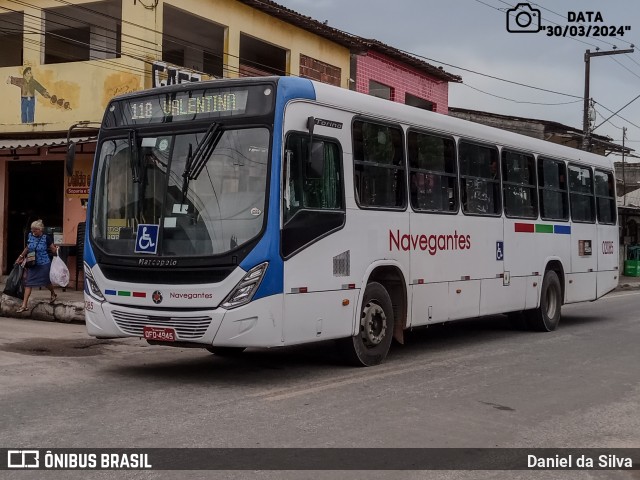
(147, 238)
(499, 251)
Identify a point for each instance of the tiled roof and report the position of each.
(352, 42)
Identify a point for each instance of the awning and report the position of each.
(41, 142)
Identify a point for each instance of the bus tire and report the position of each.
(546, 317)
(226, 351)
(371, 344)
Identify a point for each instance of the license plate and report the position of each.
(159, 334)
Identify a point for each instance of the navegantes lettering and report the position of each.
(429, 243)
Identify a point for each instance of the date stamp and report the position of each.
(523, 18)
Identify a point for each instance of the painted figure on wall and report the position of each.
(28, 86)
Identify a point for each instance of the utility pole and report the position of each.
(624, 179)
(586, 140)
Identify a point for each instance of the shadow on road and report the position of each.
(271, 366)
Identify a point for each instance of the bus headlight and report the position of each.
(91, 287)
(246, 288)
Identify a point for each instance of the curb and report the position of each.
(64, 312)
(627, 286)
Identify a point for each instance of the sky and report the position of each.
(466, 36)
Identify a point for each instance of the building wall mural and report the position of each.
(36, 86)
(53, 97)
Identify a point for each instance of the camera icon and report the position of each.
(523, 19)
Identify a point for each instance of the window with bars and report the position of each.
(552, 189)
(519, 184)
(581, 194)
(379, 165)
(432, 172)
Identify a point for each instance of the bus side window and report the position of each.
(605, 197)
(519, 182)
(581, 194)
(552, 188)
(313, 200)
(432, 166)
(311, 183)
(479, 179)
(379, 166)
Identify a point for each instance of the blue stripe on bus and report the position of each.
(268, 248)
(110, 292)
(562, 229)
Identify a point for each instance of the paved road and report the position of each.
(469, 384)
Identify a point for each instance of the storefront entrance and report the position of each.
(35, 191)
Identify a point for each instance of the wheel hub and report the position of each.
(373, 324)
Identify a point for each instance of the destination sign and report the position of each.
(189, 105)
(232, 102)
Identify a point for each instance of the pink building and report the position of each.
(376, 68)
(386, 72)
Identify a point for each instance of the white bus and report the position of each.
(269, 212)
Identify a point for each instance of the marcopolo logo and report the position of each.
(523, 18)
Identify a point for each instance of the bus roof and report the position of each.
(367, 105)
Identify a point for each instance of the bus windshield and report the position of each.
(198, 210)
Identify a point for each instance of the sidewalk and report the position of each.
(69, 306)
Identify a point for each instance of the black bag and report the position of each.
(14, 286)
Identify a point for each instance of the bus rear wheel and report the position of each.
(371, 344)
(546, 317)
(226, 351)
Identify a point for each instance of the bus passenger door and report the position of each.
(607, 248)
(314, 242)
(581, 282)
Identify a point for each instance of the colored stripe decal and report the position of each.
(122, 293)
(562, 229)
(542, 228)
(524, 227)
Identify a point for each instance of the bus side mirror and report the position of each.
(71, 158)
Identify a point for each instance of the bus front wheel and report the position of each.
(546, 317)
(371, 344)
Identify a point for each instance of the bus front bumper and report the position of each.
(257, 324)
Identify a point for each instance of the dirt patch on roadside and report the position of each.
(50, 347)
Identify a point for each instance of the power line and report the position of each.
(518, 101)
(625, 67)
(599, 113)
(489, 76)
(616, 113)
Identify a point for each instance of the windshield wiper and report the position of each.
(134, 157)
(197, 160)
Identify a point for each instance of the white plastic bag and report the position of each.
(59, 273)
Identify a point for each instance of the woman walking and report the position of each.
(38, 274)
